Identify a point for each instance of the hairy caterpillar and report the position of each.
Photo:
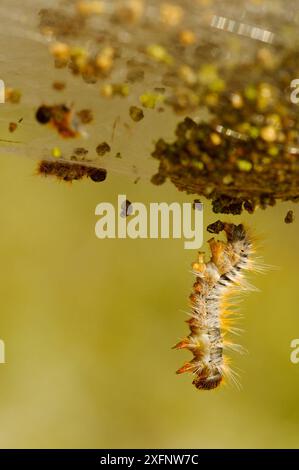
(210, 320)
(70, 171)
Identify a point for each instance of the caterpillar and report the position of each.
(69, 171)
(210, 319)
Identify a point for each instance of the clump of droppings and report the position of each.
(85, 116)
(203, 155)
(136, 113)
(216, 227)
(103, 148)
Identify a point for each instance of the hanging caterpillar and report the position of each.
(210, 320)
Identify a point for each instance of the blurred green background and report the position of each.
(89, 324)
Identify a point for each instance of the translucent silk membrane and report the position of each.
(115, 78)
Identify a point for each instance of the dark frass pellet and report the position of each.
(158, 179)
(97, 174)
(103, 148)
(12, 126)
(216, 227)
(289, 218)
(136, 113)
(43, 114)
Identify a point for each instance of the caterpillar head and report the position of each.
(207, 379)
